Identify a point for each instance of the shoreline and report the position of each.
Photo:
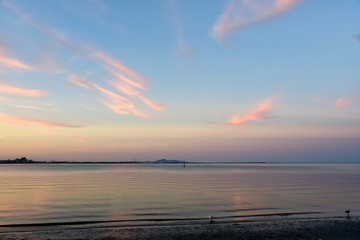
(296, 228)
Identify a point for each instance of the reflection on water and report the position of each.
(45, 193)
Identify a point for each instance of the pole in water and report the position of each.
(184, 163)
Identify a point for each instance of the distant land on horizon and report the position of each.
(24, 160)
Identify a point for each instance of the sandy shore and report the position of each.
(326, 228)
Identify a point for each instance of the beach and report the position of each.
(315, 228)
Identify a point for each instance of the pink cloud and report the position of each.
(79, 81)
(21, 91)
(345, 101)
(2, 98)
(125, 88)
(27, 122)
(118, 104)
(139, 113)
(115, 102)
(116, 108)
(262, 112)
(120, 67)
(110, 94)
(151, 104)
(12, 62)
(124, 78)
(250, 11)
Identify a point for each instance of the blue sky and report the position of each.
(241, 80)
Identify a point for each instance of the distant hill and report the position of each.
(167, 161)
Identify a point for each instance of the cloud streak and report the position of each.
(125, 88)
(79, 81)
(262, 112)
(127, 82)
(28, 122)
(186, 52)
(49, 32)
(119, 67)
(118, 104)
(249, 12)
(115, 102)
(345, 101)
(155, 106)
(21, 91)
(13, 63)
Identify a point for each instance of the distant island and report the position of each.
(167, 161)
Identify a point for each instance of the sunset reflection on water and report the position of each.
(102, 192)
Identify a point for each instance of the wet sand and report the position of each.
(322, 228)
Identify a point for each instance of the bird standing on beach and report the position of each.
(211, 219)
(347, 212)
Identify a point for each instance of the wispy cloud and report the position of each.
(125, 88)
(21, 91)
(240, 13)
(155, 106)
(115, 102)
(2, 98)
(79, 81)
(123, 78)
(118, 104)
(127, 82)
(186, 52)
(12, 63)
(28, 122)
(49, 32)
(262, 112)
(115, 63)
(345, 101)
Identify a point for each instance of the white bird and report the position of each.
(211, 218)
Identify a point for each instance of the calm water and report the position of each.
(102, 192)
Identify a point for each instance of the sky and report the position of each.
(234, 80)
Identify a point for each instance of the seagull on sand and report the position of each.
(211, 218)
(347, 212)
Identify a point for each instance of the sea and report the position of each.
(55, 194)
